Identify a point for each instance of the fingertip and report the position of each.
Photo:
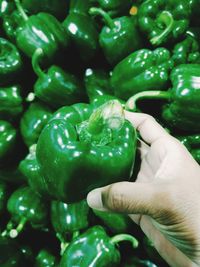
(94, 199)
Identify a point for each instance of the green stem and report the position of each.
(63, 243)
(75, 234)
(124, 237)
(166, 18)
(108, 20)
(131, 103)
(110, 115)
(21, 10)
(15, 232)
(8, 227)
(35, 62)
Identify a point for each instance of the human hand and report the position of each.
(165, 199)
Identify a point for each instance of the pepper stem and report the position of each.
(166, 18)
(107, 18)
(131, 103)
(63, 243)
(124, 237)
(15, 232)
(75, 234)
(9, 226)
(35, 62)
(21, 10)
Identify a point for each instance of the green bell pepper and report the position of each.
(3, 196)
(117, 223)
(113, 7)
(33, 121)
(187, 51)
(192, 142)
(10, 24)
(6, 7)
(87, 150)
(45, 259)
(140, 71)
(30, 169)
(164, 21)
(10, 62)
(81, 29)
(56, 87)
(56, 8)
(25, 206)
(11, 102)
(119, 37)
(97, 84)
(40, 31)
(69, 219)
(8, 139)
(100, 249)
(196, 154)
(184, 93)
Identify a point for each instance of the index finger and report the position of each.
(149, 129)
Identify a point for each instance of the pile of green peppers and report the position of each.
(68, 70)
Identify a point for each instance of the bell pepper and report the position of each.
(56, 8)
(3, 196)
(196, 154)
(11, 102)
(40, 31)
(10, 255)
(113, 7)
(33, 121)
(101, 250)
(164, 21)
(55, 86)
(6, 7)
(30, 169)
(8, 139)
(192, 142)
(87, 151)
(119, 37)
(25, 206)
(10, 24)
(187, 51)
(10, 62)
(140, 71)
(81, 29)
(45, 259)
(97, 83)
(69, 219)
(184, 93)
(117, 223)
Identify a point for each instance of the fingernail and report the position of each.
(94, 199)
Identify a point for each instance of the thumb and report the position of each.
(128, 197)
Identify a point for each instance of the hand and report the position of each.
(165, 199)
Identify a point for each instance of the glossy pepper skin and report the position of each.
(56, 87)
(187, 51)
(119, 37)
(87, 150)
(164, 21)
(140, 71)
(8, 139)
(3, 196)
(184, 93)
(69, 218)
(11, 102)
(113, 7)
(97, 84)
(192, 142)
(30, 169)
(81, 29)
(10, 24)
(56, 8)
(33, 121)
(10, 62)
(45, 259)
(117, 223)
(25, 206)
(100, 249)
(40, 31)
(6, 7)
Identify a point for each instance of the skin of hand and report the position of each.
(165, 198)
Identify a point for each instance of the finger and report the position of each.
(149, 129)
(125, 197)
